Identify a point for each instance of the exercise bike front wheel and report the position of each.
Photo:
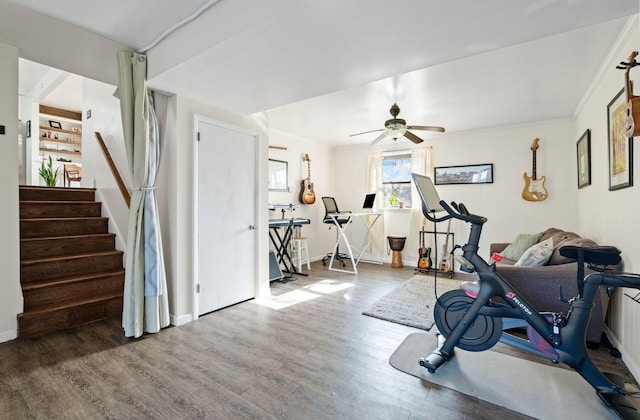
(484, 332)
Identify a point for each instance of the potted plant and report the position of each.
(48, 174)
(394, 199)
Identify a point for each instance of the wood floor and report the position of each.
(318, 359)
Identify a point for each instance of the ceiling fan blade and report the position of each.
(380, 137)
(426, 128)
(413, 137)
(366, 132)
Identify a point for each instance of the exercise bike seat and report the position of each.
(599, 255)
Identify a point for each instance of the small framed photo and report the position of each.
(464, 174)
(583, 148)
(55, 124)
(620, 146)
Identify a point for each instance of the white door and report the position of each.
(226, 234)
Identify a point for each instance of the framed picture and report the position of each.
(55, 124)
(620, 146)
(464, 174)
(278, 175)
(583, 149)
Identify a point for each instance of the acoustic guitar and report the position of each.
(632, 107)
(307, 195)
(534, 188)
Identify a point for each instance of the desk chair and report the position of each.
(330, 206)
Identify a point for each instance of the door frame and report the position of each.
(197, 119)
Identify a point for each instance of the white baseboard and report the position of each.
(625, 354)
(180, 320)
(8, 335)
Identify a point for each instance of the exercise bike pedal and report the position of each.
(436, 358)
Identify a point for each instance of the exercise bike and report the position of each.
(482, 313)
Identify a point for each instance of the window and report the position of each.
(396, 179)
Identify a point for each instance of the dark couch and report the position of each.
(540, 285)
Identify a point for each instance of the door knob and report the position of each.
(252, 227)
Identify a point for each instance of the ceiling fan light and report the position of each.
(395, 132)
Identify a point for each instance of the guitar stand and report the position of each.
(434, 268)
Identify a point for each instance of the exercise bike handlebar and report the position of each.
(461, 213)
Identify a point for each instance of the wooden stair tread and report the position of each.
(58, 201)
(63, 219)
(34, 285)
(37, 187)
(72, 304)
(69, 257)
(62, 238)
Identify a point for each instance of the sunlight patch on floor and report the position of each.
(286, 299)
(315, 290)
(328, 286)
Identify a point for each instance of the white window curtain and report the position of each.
(422, 164)
(146, 305)
(374, 185)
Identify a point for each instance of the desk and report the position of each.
(281, 242)
(369, 219)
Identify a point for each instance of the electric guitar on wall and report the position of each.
(632, 112)
(424, 254)
(307, 196)
(534, 188)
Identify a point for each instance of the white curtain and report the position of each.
(422, 164)
(145, 307)
(374, 185)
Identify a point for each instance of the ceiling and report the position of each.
(324, 70)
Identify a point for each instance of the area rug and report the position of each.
(530, 388)
(412, 303)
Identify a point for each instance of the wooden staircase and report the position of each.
(70, 271)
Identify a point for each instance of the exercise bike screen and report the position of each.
(428, 193)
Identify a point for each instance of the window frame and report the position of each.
(405, 198)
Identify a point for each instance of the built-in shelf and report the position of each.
(60, 133)
(60, 151)
(78, 143)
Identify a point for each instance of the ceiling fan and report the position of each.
(397, 127)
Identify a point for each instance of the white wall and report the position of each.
(610, 217)
(105, 119)
(509, 151)
(320, 240)
(11, 296)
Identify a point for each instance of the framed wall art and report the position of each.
(583, 149)
(464, 174)
(620, 146)
(278, 175)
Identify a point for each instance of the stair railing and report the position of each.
(114, 170)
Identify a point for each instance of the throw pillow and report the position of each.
(524, 241)
(537, 255)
